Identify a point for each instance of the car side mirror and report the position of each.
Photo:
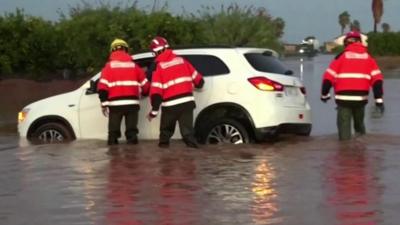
(289, 72)
(92, 88)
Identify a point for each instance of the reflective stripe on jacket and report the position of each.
(122, 81)
(352, 74)
(173, 80)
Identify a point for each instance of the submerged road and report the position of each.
(295, 181)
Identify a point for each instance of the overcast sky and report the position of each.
(303, 17)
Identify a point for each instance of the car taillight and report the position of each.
(265, 84)
(303, 90)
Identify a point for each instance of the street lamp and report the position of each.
(301, 51)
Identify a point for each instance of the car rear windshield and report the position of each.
(266, 62)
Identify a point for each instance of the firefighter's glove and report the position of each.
(152, 115)
(379, 108)
(325, 98)
(105, 110)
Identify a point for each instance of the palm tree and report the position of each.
(377, 11)
(355, 26)
(344, 20)
(385, 27)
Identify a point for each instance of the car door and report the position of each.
(210, 66)
(94, 125)
(92, 122)
(206, 64)
(147, 129)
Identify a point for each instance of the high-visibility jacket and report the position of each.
(351, 74)
(173, 81)
(122, 81)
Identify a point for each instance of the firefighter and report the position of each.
(121, 84)
(351, 74)
(172, 88)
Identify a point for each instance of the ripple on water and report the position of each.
(271, 183)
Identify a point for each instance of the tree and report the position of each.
(377, 11)
(78, 42)
(385, 27)
(355, 26)
(344, 20)
(238, 26)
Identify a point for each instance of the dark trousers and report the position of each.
(183, 114)
(130, 113)
(345, 115)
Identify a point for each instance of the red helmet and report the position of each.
(353, 34)
(158, 44)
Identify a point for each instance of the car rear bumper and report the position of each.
(265, 133)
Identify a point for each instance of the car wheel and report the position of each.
(51, 133)
(225, 131)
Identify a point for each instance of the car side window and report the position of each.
(92, 87)
(148, 66)
(208, 65)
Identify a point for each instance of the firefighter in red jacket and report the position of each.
(172, 89)
(351, 74)
(120, 86)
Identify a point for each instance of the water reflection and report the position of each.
(151, 189)
(177, 187)
(353, 185)
(264, 194)
(308, 181)
(122, 187)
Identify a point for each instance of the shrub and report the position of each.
(78, 43)
(387, 43)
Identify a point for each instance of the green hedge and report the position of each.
(387, 44)
(27, 44)
(78, 43)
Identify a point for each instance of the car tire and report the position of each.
(224, 131)
(51, 133)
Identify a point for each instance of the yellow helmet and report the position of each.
(118, 43)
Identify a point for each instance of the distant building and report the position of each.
(290, 49)
(330, 45)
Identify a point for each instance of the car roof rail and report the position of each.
(202, 46)
(182, 47)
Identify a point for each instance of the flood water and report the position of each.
(295, 181)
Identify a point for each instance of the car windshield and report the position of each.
(266, 62)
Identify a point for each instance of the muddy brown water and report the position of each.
(297, 180)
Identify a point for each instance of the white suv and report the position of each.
(248, 95)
